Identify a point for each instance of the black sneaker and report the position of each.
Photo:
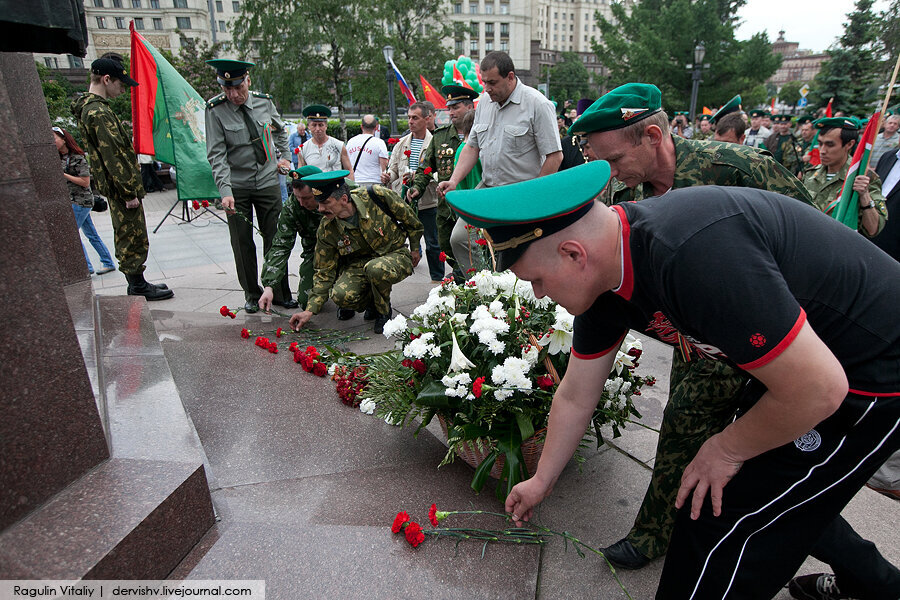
(818, 586)
(624, 555)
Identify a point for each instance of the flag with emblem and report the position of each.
(431, 94)
(846, 208)
(168, 119)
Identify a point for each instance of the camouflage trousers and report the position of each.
(130, 235)
(702, 402)
(307, 269)
(365, 281)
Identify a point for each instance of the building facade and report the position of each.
(796, 65)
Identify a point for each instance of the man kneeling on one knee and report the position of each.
(361, 249)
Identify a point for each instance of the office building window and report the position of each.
(457, 8)
(473, 8)
(101, 22)
(504, 46)
(489, 46)
(181, 4)
(504, 8)
(222, 26)
(120, 22)
(473, 46)
(218, 5)
(117, 3)
(75, 62)
(459, 46)
(488, 8)
(489, 29)
(135, 3)
(235, 6)
(139, 24)
(183, 22)
(504, 29)
(154, 3)
(185, 42)
(98, 3)
(157, 23)
(473, 29)
(51, 62)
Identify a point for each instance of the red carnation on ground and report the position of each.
(273, 348)
(245, 333)
(432, 515)
(196, 205)
(476, 386)
(481, 242)
(545, 382)
(399, 520)
(427, 170)
(224, 311)
(204, 203)
(278, 332)
(312, 352)
(319, 369)
(442, 257)
(297, 355)
(232, 315)
(414, 534)
(419, 367)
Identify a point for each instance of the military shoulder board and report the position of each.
(261, 95)
(215, 100)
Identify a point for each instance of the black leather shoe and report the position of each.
(381, 320)
(345, 314)
(287, 304)
(624, 555)
(370, 313)
(251, 307)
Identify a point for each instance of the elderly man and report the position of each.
(367, 153)
(437, 159)
(887, 140)
(323, 151)
(238, 123)
(297, 138)
(361, 250)
(837, 139)
(514, 135)
(628, 128)
(823, 412)
(404, 163)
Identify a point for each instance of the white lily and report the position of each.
(458, 360)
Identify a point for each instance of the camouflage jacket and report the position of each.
(786, 150)
(824, 192)
(718, 163)
(338, 243)
(114, 165)
(700, 136)
(438, 155)
(294, 220)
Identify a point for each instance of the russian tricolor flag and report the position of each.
(404, 87)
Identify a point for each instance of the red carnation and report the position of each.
(427, 170)
(481, 242)
(232, 315)
(297, 150)
(399, 520)
(635, 352)
(245, 333)
(414, 534)
(297, 355)
(273, 348)
(307, 363)
(205, 203)
(442, 257)
(544, 382)
(312, 352)
(476, 387)
(407, 153)
(319, 369)
(472, 270)
(432, 515)
(196, 205)
(278, 332)
(419, 367)
(393, 140)
(407, 362)
(224, 311)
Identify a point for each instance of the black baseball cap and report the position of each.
(113, 68)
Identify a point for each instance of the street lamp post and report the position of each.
(696, 74)
(388, 57)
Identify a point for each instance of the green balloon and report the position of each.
(447, 79)
(449, 64)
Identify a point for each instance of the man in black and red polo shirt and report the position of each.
(809, 312)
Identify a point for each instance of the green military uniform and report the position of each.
(439, 157)
(293, 221)
(826, 191)
(245, 169)
(115, 172)
(358, 260)
(786, 150)
(698, 133)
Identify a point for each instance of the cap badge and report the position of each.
(227, 74)
(630, 113)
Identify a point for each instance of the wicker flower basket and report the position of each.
(469, 452)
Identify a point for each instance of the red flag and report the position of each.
(845, 208)
(458, 78)
(431, 94)
(828, 108)
(773, 105)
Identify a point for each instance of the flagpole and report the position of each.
(887, 96)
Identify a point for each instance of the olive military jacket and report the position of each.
(718, 163)
(114, 165)
(339, 244)
(294, 220)
(438, 155)
(824, 192)
(228, 143)
(786, 150)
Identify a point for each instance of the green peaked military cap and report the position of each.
(230, 73)
(704, 118)
(781, 118)
(619, 108)
(317, 112)
(756, 112)
(805, 119)
(840, 122)
(517, 214)
(458, 93)
(304, 171)
(729, 107)
(324, 184)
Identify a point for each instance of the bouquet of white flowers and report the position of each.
(486, 358)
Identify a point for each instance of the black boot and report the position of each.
(381, 320)
(370, 313)
(345, 314)
(138, 286)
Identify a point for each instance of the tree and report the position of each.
(190, 63)
(889, 26)
(58, 93)
(851, 75)
(570, 80)
(656, 40)
(790, 92)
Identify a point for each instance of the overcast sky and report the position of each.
(815, 24)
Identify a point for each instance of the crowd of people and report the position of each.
(712, 236)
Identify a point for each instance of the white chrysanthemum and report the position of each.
(502, 394)
(457, 386)
(497, 309)
(506, 282)
(485, 283)
(512, 375)
(530, 355)
(421, 347)
(459, 318)
(495, 346)
(389, 419)
(367, 406)
(396, 325)
(332, 368)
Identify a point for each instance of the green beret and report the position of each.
(757, 113)
(324, 184)
(729, 107)
(619, 108)
(304, 171)
(317, 112)
(839, 122)
(515, 215)
(458, 93)
(781, 118)
(230, 73)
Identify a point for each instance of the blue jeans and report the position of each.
(432, 249)
(283, 184)
(85, 224)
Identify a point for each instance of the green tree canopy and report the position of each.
(655, 41)
(190, 63)
(570, 80)
(790, 92)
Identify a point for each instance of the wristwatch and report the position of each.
(871, 204)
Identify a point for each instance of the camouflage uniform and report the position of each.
(294, 220)
(357, 264)
(115, 171)
(700, 136)
(702, 393)
(786, 150)
(824, 192)
(439, 156)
